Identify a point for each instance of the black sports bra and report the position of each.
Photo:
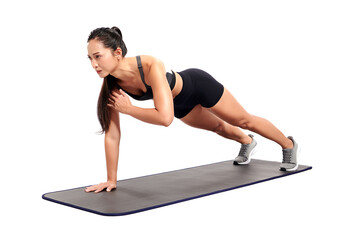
(149, 94)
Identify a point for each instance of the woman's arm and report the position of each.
(112, 142)
(163, 113)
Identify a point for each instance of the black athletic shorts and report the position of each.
(199, 87)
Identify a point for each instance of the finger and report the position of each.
(111, 187)
(115, 93)
(122, 93)
(91, 188)
(99, 189)
(111, 101)
(112, 97)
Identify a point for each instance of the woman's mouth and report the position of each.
(98, 71)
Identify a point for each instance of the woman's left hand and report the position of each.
(119, 101)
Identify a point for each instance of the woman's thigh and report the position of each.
(202, 118)
(230, 110)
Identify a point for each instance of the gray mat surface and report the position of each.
(153, 191)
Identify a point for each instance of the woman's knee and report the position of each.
(219, 127)
(246, 123)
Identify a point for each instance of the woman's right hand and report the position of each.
(109, 185)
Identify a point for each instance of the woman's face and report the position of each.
(102, 59)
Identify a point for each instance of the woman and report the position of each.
(192, 95)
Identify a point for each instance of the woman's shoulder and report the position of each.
(149, 60)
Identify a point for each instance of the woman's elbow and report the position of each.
(113, 136)
(167, 120)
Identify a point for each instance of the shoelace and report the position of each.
(243, 150)
(287, 156)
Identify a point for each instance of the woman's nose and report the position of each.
(94, 63)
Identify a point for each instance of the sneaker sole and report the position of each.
(249, 160)
(289, 169)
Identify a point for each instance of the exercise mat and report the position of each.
(158, 190)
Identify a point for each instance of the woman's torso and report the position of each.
(178, 85)
(139, 87)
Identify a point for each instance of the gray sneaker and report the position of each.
(290, 155)
(246, 151)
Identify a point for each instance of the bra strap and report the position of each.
(141, 70)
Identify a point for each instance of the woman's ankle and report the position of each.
(288, 145)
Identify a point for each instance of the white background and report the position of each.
(295, 63)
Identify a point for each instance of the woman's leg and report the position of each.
(202, 118)
(232, 112)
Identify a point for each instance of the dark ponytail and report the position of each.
(111, 38)
(103, 112)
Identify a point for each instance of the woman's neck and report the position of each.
(125, 70)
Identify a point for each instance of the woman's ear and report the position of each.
(118, 53)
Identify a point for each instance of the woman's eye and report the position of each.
(97, 56)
